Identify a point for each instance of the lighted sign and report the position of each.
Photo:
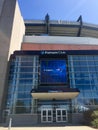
(53, 72)
(53, 52)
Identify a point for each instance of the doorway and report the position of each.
(60, 116)
(46, 115)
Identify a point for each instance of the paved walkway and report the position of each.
(50, 128)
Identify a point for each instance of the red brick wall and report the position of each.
(37, 46)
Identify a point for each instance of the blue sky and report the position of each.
(68, 10)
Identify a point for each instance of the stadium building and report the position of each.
(52, 78)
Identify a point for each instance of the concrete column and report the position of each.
(9, 27)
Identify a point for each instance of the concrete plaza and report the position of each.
(50, 128)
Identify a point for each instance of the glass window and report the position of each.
(76, 63)
(82, 58)
(96, 58)
(83, 63)
(75, 57)
(24, 102)
(91, 63)
(76, 69)
(26, 75)
(95, 87)
(27, 58)
(26, 64)
(96, 63)
(88, 101)
(84, 68)
(95, 94)
(82, 81)
(22, 109)
(88, 94)
(23, 77)
(90, 58)
(92, 69)
(24, 95)
(97, 68)
(85, 78)
(80, 101)
(95, 101)
(87, 87)
(94, 81)
(26, 69)
(25, 81)
(24, 88)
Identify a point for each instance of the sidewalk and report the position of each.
(50, 128)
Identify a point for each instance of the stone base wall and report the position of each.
(77, 118)
(22, 120)
(35, 120)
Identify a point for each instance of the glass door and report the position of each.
(61, 115)
(46, 115)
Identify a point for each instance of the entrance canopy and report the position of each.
(67, 93)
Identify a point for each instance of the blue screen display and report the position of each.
(53, 71)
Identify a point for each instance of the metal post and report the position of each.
(10, 124)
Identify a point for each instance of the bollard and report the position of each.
(10, 124)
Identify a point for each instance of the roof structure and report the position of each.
(61, 28)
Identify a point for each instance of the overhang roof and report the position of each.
(55, 95)
(50, 94)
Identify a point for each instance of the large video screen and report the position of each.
(53, 71)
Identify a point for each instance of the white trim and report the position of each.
(60, 40)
